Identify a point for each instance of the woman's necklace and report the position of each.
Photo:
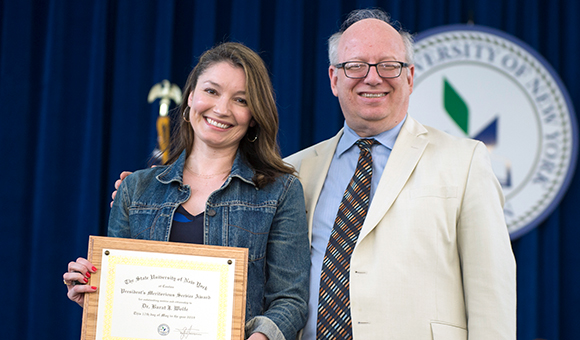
(207, 176)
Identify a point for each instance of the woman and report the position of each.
(225, 184)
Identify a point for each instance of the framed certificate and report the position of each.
(164, 290)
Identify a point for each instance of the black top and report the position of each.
(186, 227)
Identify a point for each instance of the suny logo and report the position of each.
(481, 83)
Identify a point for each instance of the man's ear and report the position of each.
(333, 75)
(410, 77)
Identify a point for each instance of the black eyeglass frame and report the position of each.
(341, 65)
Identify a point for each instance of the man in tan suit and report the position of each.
(433, 259)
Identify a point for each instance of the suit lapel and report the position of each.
(404, 157)
(312, 173)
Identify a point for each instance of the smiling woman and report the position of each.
(225, 184)
(219, 113)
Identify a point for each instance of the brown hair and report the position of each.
(262, 155)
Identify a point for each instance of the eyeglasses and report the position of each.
(360, 69)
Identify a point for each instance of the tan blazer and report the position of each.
(434, 259)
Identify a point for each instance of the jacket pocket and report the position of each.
(443, 331)
(249, 227)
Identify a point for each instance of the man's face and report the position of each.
(373, 104)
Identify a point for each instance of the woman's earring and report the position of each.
(185, 113)
(251, 140)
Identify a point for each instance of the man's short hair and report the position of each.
(369, 13)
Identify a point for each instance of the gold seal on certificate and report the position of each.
(165, 290)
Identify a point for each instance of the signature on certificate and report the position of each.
(185, 332)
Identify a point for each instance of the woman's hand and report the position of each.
(258, 336)
(76, 277)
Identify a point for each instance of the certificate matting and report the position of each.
(174, 265)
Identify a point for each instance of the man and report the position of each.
(432, 259)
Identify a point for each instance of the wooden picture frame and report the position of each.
(99, 245)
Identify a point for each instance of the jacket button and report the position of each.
(211, 213)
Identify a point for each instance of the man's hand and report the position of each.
(123, 175)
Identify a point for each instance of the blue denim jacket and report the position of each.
(270, 222)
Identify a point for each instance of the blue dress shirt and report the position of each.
(339, 175)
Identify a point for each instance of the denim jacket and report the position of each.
(270, 222)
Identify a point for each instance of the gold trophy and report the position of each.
(167, 92)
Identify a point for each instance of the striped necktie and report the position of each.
(334, 321)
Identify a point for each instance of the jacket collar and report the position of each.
(174, 172)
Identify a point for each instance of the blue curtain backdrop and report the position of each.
(74, 79)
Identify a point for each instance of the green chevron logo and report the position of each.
(458, 111)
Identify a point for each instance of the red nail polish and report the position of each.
(86, 280)
(94, 269)
(93, 287)
(88, 274)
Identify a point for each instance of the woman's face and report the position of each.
(219, 113)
